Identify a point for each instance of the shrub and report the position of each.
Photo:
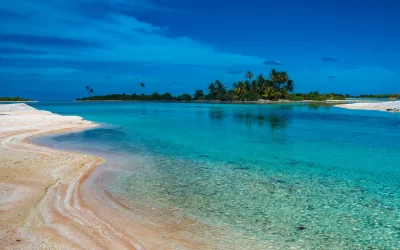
(321, 98)
(296, 98)
(184, 97)
(155, 96)
(166, 97)
(251, 96)
(394, 97)
(226, 97)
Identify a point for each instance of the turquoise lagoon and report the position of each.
(301, 176)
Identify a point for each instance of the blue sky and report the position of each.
(51, 50)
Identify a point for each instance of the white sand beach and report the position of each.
(48, 202)
(392, 106)
(29, 174)
(41, 193)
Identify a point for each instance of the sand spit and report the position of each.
(393, 106)
(52, 199)
(39, 187)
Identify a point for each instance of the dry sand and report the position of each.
(393, 106)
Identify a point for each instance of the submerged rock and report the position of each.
(277, 180)
(301, 227)
(241, 168)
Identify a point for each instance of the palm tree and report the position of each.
(235, 85)
(220, 88)
(254, 86)
(212, 91)
(87, 87)
(211, 88)
(198, 94)
(240, 90)
(260, 84)
(272, 93)
(290, 86)
(247, 86)
(281, 82)
(91, 91)
(142, 85)
(249, 75)
(278, 78)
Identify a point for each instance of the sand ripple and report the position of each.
(51, 199)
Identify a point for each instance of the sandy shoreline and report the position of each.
(39, 187)
(392, 106)
(52, 199)
(29, 172)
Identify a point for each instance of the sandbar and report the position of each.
(392, 106)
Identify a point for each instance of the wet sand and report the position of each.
(52, 199)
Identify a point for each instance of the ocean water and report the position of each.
(300, 176)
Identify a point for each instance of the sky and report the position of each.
(51, 50)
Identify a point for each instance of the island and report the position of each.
(277, 87)
(14, 99)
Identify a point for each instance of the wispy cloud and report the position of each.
(272, 62)
(328, 59)
(71, 33)
(34, 40)
(93, 39)
(21, 51)
(8, 15)
(234, 72)
(103, 8)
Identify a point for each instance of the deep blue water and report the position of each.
(261, 170)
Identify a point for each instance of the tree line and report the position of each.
(13, 99)
(200, 96)
(277, 86)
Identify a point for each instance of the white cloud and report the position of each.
(122, 38)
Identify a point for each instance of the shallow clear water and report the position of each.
(265, 171)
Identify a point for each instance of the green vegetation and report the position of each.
(374, 96)
(277, 86)
(13, 99)
(315, 96)
(198, 94)
(184, 97)
(394, 97)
